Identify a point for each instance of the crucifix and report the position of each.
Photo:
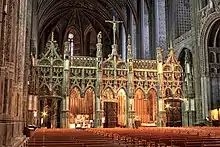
(114, 22)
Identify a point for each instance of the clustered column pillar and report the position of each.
(160, 27)
(66, 84)
(140, 30)
(130, 98)
(98, 103)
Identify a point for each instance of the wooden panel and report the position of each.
(140, 106)
(110, 112)
(152, 106)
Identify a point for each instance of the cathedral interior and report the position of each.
(107, 63)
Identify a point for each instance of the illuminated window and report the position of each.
(71, 43)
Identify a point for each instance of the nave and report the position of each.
(127, 137)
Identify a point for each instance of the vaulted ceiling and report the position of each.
(81, 14)
(61, 13)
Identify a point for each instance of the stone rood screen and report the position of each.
(110, 92)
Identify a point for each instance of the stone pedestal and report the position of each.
(65, 119)
(161, 122)
(131, 118)
(100, 114)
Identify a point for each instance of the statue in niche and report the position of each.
(99, 37)
(211, 4)
(99, 45)
(129, 47)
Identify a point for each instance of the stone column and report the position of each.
(147, 52)
(34, 30)
(98, 106)
(160, 113)
(132, 30)
(160, 20)
(35, 109)
(199, 66)
(66, 87)
(130, 88)
(30, 109)
(142, 30)
(205, 86)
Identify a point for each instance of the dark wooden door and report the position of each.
(110, 111)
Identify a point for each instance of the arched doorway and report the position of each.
(121, 108)
(81, 108)
(173, 108)
(110, 107)
(49, 107)
(213, 46)
(140, 106)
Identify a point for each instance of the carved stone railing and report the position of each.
(145, 64)
(83, 61)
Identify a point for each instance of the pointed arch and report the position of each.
(168, 93)
(89, 102)
(122, 96)
(76, 86)
(108, 93)
(139, 88)
(74, 103)
(140, 105)
(57, 90)
(178, 93)
(152, 105)
(44, 90)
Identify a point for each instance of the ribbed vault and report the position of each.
(60, 15)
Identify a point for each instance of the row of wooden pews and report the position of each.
(69, 138)
(163, 137)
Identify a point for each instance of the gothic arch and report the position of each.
(140, 106)
(89, 87)
(122, 97)
(108, 94)
(57, 90)
(186, 56)
(90, 102)
(203, 39)
(82, 107)
(152, 105)
(180, 50)
(76, 86)
(210, 51)
(140, 88)
(75, 103)
(44, 90)
(120, 88)
(90, 41)
(178, 93)
(168, 93)
(212, 57)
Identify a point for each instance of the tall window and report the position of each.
(71, 44)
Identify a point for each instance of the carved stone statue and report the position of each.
(99, 45)
(211, 4)
(99, 37)
(129, 47)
